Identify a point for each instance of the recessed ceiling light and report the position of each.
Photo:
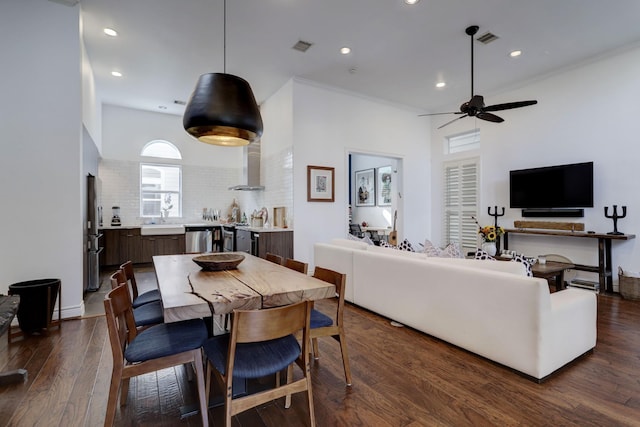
(116, 74)
(110, 32)
(441, 84)
(411, 1)
(345, 50)
(515, 53)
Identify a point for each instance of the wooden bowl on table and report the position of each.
(218, 262)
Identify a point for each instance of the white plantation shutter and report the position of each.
(461, 189)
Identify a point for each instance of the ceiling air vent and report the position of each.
(487, 38)
(302, 46)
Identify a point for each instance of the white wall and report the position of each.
(328, 124)
(91, 108)
(127, 130)
(588, 113)
(41, 139)
(276, 172)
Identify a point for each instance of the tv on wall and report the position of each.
(562, 186)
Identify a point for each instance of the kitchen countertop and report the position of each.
(262, 229)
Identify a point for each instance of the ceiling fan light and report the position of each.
(223, 111)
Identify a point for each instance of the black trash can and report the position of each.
(37, 301)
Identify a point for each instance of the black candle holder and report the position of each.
(495, 216)
(615, 217)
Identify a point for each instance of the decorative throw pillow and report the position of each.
(451, 251)
(524, 260)
(431, 250)
(365, 239)
(385, 244)
(406, 246)
(480, 254)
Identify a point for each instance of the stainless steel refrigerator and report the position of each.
(93, 236)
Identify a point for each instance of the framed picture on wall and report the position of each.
(383, 185)
(320, 184)
(366, 187)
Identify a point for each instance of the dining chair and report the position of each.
(138, 299)
(158, 347)
(261, 343)
(277, 259)
(144, 315)
(324, 326)
(299, 266)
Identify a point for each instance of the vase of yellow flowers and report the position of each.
(489, 234)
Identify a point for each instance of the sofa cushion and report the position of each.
(392, 251)
(351, 244)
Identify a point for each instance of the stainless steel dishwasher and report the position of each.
(198, 238)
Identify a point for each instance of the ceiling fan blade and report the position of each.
(489, 117)
(439, 114)
(451, 121)
(509, 105)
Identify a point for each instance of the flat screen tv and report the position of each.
(562, 186)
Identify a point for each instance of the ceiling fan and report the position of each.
(475, 106)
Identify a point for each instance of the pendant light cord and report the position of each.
(224, 37)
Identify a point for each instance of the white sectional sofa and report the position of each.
(490, 308)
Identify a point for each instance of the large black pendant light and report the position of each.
(222, 109)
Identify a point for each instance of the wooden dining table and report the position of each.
(188, 292)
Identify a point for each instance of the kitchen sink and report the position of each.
(161, 229)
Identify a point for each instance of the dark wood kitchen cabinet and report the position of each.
(275, 242)
(110, 254)
(121, 245)
(161, 245)
(130, 245)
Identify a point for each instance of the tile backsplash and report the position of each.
(202, 187)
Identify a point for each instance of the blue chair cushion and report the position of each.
(319, 319)
(166, 339)
(148, 314)
(146, 298)
(253, 360)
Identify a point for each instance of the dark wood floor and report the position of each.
(400, 378)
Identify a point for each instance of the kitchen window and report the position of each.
(160, 190)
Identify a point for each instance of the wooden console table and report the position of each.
(604, 267)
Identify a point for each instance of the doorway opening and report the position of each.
(375, 194)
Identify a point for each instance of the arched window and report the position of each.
(161, 148)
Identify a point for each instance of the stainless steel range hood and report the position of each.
(250, 169)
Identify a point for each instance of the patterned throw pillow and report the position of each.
(524, 260)
(480, 254)
(431, 250)
(451, 251)
(405, 245)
